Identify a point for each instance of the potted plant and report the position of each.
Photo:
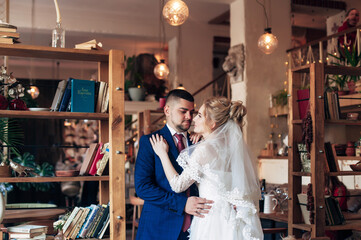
(133, 80)
(348, 58)
(339, 82)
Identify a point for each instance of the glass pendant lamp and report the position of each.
(268, 42)
(175, 12)
(161, 70)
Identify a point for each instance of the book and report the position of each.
(90, 219)
(58, 95)
(82, 95)
(92, 44)
(90, 208)
(24, 235)
(105, 101)
(9, 34)
(333, 211)
(102, 220)
(70, 219)
(6, 40)
(104, 228)
(66, 97)
(80, 223)
(332, 165)
(95, 221)
(73, 223)
(42, 236)
(10, 30)
(104, 161)
(99, 100)
(28, 229)
(88, 159)
(98, 156)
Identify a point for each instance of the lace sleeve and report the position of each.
(191, 171)
(180, 183)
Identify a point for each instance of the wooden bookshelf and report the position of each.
(111, 125)
(317, 73)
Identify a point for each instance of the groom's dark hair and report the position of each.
(179, 93)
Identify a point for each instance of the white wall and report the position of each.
(264, 74)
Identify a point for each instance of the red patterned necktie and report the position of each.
(187, 217)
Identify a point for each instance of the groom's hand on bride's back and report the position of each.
(197, 206)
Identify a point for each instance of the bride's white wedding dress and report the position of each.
(224, 172)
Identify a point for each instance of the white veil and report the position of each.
(224, 157)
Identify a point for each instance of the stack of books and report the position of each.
(90, 45)
(27, 232)
(8, 33)
(87, 222)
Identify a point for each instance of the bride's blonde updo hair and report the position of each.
(221, 109)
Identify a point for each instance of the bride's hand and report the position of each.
(159, 144)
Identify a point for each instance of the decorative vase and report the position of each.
(351, 87)
(5, 171)
(137, 94)
(350, 149)
(60, 235)
(17, 104)
(58, 37)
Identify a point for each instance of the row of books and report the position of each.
(75, 95)
(332, 106)
(27, 232)
(87, 222)
(96, 159)
(334, 214)
(8, 33)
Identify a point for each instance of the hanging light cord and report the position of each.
(161, 29)
(264, 9)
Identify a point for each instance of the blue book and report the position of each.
(82, 95)
(66, 97)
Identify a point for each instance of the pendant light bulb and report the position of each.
(161, 70)
(175, 12)
(268, 42)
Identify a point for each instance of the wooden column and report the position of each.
(117, 145)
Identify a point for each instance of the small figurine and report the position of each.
(21, 169)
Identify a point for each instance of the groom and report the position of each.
(166, 214)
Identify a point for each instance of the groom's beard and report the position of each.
(186, 124)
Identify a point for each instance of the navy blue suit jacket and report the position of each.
(163, 211)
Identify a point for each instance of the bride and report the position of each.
(222, 168)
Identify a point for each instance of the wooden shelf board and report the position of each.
(20, 50)
(302, 69)
(342, 70)
(54, 179)
(302, 226)
(301, 174)
(343, 122)
(53, 115)
(22, 215)
(298, 121)
(342, 158)
(344, 173)
(280, 111)
(349, 225)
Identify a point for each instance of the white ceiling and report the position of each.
(122, 24)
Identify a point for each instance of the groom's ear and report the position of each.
(166, 110)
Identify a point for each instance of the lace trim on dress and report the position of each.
(246, 209)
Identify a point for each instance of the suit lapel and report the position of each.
(173, 151)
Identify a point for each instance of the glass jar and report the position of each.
(60, 235)
(58, 37)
